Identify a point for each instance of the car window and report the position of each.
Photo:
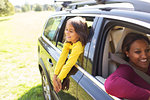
(51, 28)
(61, 40)
(113, 45)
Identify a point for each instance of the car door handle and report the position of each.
(50, 62)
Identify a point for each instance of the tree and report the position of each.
(38, 8)
(6, 8)
(2, 4)
(48, 7)
(26, 8)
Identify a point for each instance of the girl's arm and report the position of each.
(62, 58)
(75, 53)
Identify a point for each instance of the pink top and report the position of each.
(125, 83)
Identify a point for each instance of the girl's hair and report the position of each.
(81, 28)
(129, 39)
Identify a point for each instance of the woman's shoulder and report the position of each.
(148, 70)
(124, 69)
(125, 66)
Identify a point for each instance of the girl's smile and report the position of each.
(70, 33)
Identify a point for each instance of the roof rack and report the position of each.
(81, 4)
(139, 5)
(74, 4)
(108, 7)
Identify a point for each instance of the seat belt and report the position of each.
(119, 60)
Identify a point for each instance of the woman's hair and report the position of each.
(129, 39)
(81, 28)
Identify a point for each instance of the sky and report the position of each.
(22, 2)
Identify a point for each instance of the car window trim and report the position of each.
(130, 20)
(95, 80)
(50, 43)
(106, 33)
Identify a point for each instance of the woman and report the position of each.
(76, 32)
(125, 82)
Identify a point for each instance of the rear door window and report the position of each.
(52, 27)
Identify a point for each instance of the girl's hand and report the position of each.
(59, 85)
(55, 83)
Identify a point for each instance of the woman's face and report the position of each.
(70, 33)
(139, 55)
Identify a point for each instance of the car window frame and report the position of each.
(108, 24)
(62, 30)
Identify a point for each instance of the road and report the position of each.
(19, 74)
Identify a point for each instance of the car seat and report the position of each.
(117, 51)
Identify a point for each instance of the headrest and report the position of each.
(125, 32)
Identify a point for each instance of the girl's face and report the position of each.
(70, 33)
(139, 55)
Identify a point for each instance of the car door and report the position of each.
(89, 86)
(50, 54)
(55, 49)
(48, 51)
(113, 33)
(80, 63)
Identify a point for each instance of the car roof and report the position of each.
(142, 16)
(120, 9)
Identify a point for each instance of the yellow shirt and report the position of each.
(62, 68)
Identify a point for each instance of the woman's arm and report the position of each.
(122, 88)
(120, 85)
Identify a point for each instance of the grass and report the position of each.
(19, 75)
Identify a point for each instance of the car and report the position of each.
(108, 22)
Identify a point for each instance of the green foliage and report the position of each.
(38, 8)
(35, 7)
(33, 94)
(6, 8)
(19, 74)
(48, 7)
(26, 8)
(2, 4)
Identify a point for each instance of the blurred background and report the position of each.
(21, 23)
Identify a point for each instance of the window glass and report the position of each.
(51, 28)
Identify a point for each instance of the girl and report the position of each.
(76, 32)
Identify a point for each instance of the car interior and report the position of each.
(113, 47)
